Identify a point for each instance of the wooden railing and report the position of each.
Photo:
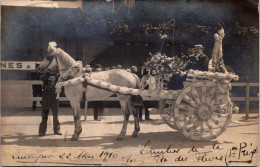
(247, 99)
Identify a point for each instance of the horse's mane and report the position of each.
(64, 58)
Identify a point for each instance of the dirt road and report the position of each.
(156, 144)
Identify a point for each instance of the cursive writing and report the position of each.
(147, 150)
(85, 155)
(204, 157)
(245, 151)
(31, 156)
(105, 155)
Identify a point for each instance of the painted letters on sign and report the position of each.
(18, 65)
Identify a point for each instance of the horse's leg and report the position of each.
(123, 102)
(76, 115)
(136, 119)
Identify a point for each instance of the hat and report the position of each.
(107, 68)
(198, 46)
(88, 68)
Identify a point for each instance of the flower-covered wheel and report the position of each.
(203, 110)
(166, 112)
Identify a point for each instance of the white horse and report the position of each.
(58, 58)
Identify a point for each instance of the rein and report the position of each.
(85, 86)
(47, 67)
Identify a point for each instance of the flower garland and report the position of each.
(166, 66)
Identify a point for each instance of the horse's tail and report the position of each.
(137, 100)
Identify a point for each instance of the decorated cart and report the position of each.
(202, 110)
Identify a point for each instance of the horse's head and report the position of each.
(75, 71)
(49, 62)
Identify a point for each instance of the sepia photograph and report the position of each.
(129, 83)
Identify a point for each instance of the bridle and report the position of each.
(57, 65)
(47, 67)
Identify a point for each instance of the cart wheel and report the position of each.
(166, 112)
(203, 110)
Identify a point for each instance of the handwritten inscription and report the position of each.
(85, 155)
(204, 157)
(33, 157)
(168, 154)
(105, 155)
(147, 150)
(244, 153)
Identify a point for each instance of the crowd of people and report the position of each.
(197, 61)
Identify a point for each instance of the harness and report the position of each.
(84, 85)
(57, 62)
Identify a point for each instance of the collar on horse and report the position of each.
(58, 65)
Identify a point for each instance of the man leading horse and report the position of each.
(58, 58)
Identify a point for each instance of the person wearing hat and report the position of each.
(199, 61)
(97, 105)
(134, 70)
(145, 105)
(119, 66)
(49, 101)
(107, 68)
(98, 68)
(113, 67)
(37, 89)
(128, 70)
(88, 69)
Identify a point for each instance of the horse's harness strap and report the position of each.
(84, 84)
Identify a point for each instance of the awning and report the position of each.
(43, 4)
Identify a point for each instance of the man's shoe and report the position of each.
(148, 119)
(97, 119)
(141, 119)
(57, 133)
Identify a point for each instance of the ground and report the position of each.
(156, 144)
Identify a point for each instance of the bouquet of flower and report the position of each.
(166, 66)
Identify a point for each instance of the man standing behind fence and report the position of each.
(98, 105)
(37, 89)
(49, 101)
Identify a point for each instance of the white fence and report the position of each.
(18, 93)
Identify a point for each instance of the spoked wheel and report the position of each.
(166, 111)
(203, 110)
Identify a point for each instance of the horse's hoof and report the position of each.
(74, 138)
(118, 138)
(134, 135)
